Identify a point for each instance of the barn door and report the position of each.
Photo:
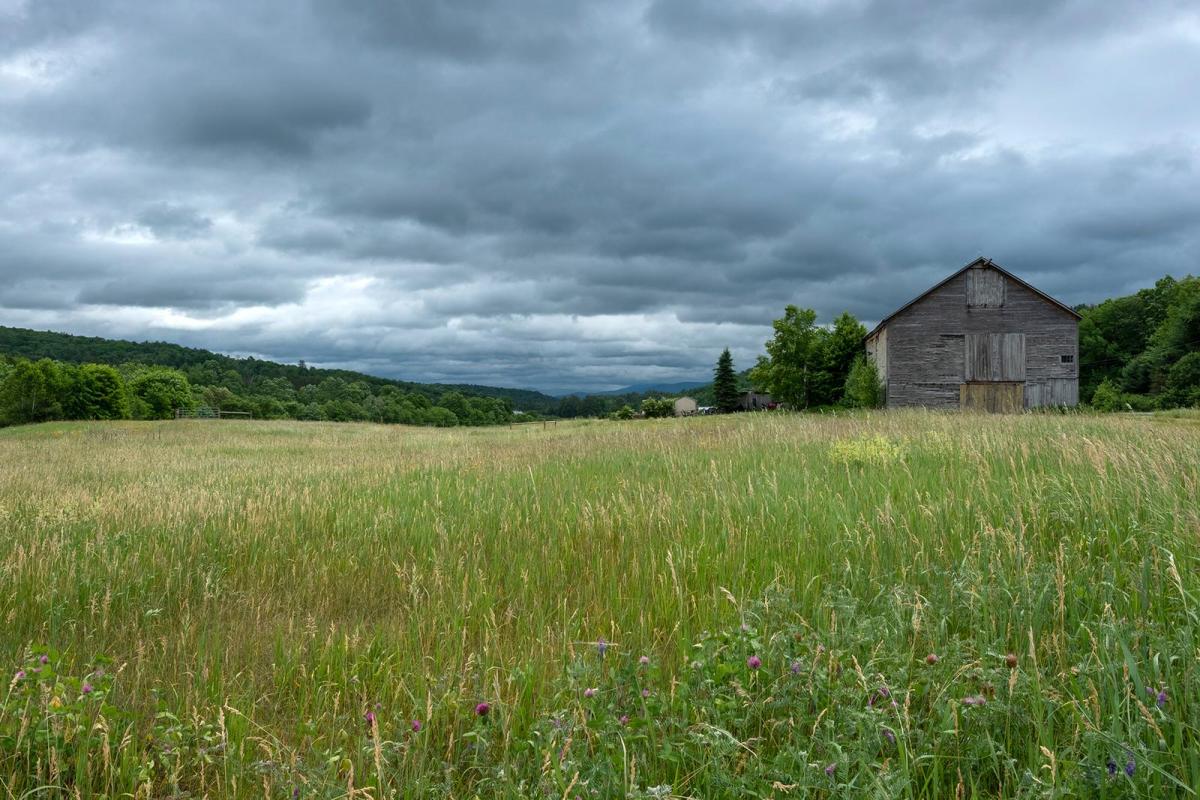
(993, 397)
(994, 357)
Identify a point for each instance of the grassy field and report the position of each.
(886, 605)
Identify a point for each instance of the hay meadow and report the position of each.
(762, 605)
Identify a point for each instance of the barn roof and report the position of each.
(986, 262)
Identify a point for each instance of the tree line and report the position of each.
(1142, 351)
(46, 389)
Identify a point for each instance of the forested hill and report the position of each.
(206, 367)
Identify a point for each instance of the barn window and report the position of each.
(1068, 359)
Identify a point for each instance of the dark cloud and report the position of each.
(174, 222)
(571, 195)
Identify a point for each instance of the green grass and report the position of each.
(258, 587)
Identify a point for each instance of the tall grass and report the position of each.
(279, 601)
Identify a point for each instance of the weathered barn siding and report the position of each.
(1052, 392)
(978, 326)
(877, 350)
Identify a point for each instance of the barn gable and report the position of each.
(981, 338)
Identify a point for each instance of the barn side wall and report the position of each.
(926, 345)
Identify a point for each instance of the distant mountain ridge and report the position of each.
(649, 387)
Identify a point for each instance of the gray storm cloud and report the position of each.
(575, 195)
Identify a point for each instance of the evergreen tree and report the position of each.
(725, 389)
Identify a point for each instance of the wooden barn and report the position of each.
(982, 339)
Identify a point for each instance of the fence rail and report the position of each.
(207, 412)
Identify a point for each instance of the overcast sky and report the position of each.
(572, 195)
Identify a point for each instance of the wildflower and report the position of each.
(645, 693)
(1112, 767)
(1011, 660)
(87, 688)
(44, 659)
(601, 646)
(1161, 699)
(753, 662)
(1130, 766)
(890, 736)
(829, 770)
(644, 661)
(369, 718)
(482, 710)
(882, 694)
(20, 675)
(796, 665)
(624, 719)
(589, 692)
(931, 659)
(974, 700)
(416, 726)
(296, 793)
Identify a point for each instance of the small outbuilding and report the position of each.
(685, 406)
(982, 339)
(754, 401)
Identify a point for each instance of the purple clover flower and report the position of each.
(974, 700)
(796, 667)
(589, 692)
(44, 659)
(601, 646)
(416, 726)
(369, 718)
(753, 662)
(20, 675)
(829, 770)
(644, 661)
(890, 736)
(86, 689)
(1161, 699)
(624, 719)
(645, 693)
(482, 710)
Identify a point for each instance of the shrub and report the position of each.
(864, 389)
(657, 407)
(1107, 397)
